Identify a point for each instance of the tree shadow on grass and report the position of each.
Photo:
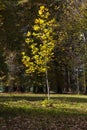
(42, 97)
(71, 99)
(16, 98)
(12, 111)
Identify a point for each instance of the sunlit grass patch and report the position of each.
(32, 104)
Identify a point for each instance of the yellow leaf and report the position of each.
(23, 53)
(36, 27)
(28, 34)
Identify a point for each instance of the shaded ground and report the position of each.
(29, 112)
(44, 123)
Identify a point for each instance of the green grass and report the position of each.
(26, 103)
(32, 106)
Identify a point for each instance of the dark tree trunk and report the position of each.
(67, 77)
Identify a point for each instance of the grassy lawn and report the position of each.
(34, 112)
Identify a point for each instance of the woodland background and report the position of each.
(67, 70)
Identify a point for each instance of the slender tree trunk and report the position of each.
(11, 82)
(47, 84)
(77, 82)
(67, 79)
(69, 84)
(84, 73)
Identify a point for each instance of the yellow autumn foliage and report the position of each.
(36, 27)
(41, 52)
(39, 21)
(43, 12)
(28, 34)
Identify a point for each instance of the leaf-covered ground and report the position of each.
(32, 112)
(44, 123)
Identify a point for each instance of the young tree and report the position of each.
(41, 43)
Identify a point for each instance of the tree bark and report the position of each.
(84, 78)
(77, 82)
(47, 84)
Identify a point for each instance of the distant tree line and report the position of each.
(43, 46)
